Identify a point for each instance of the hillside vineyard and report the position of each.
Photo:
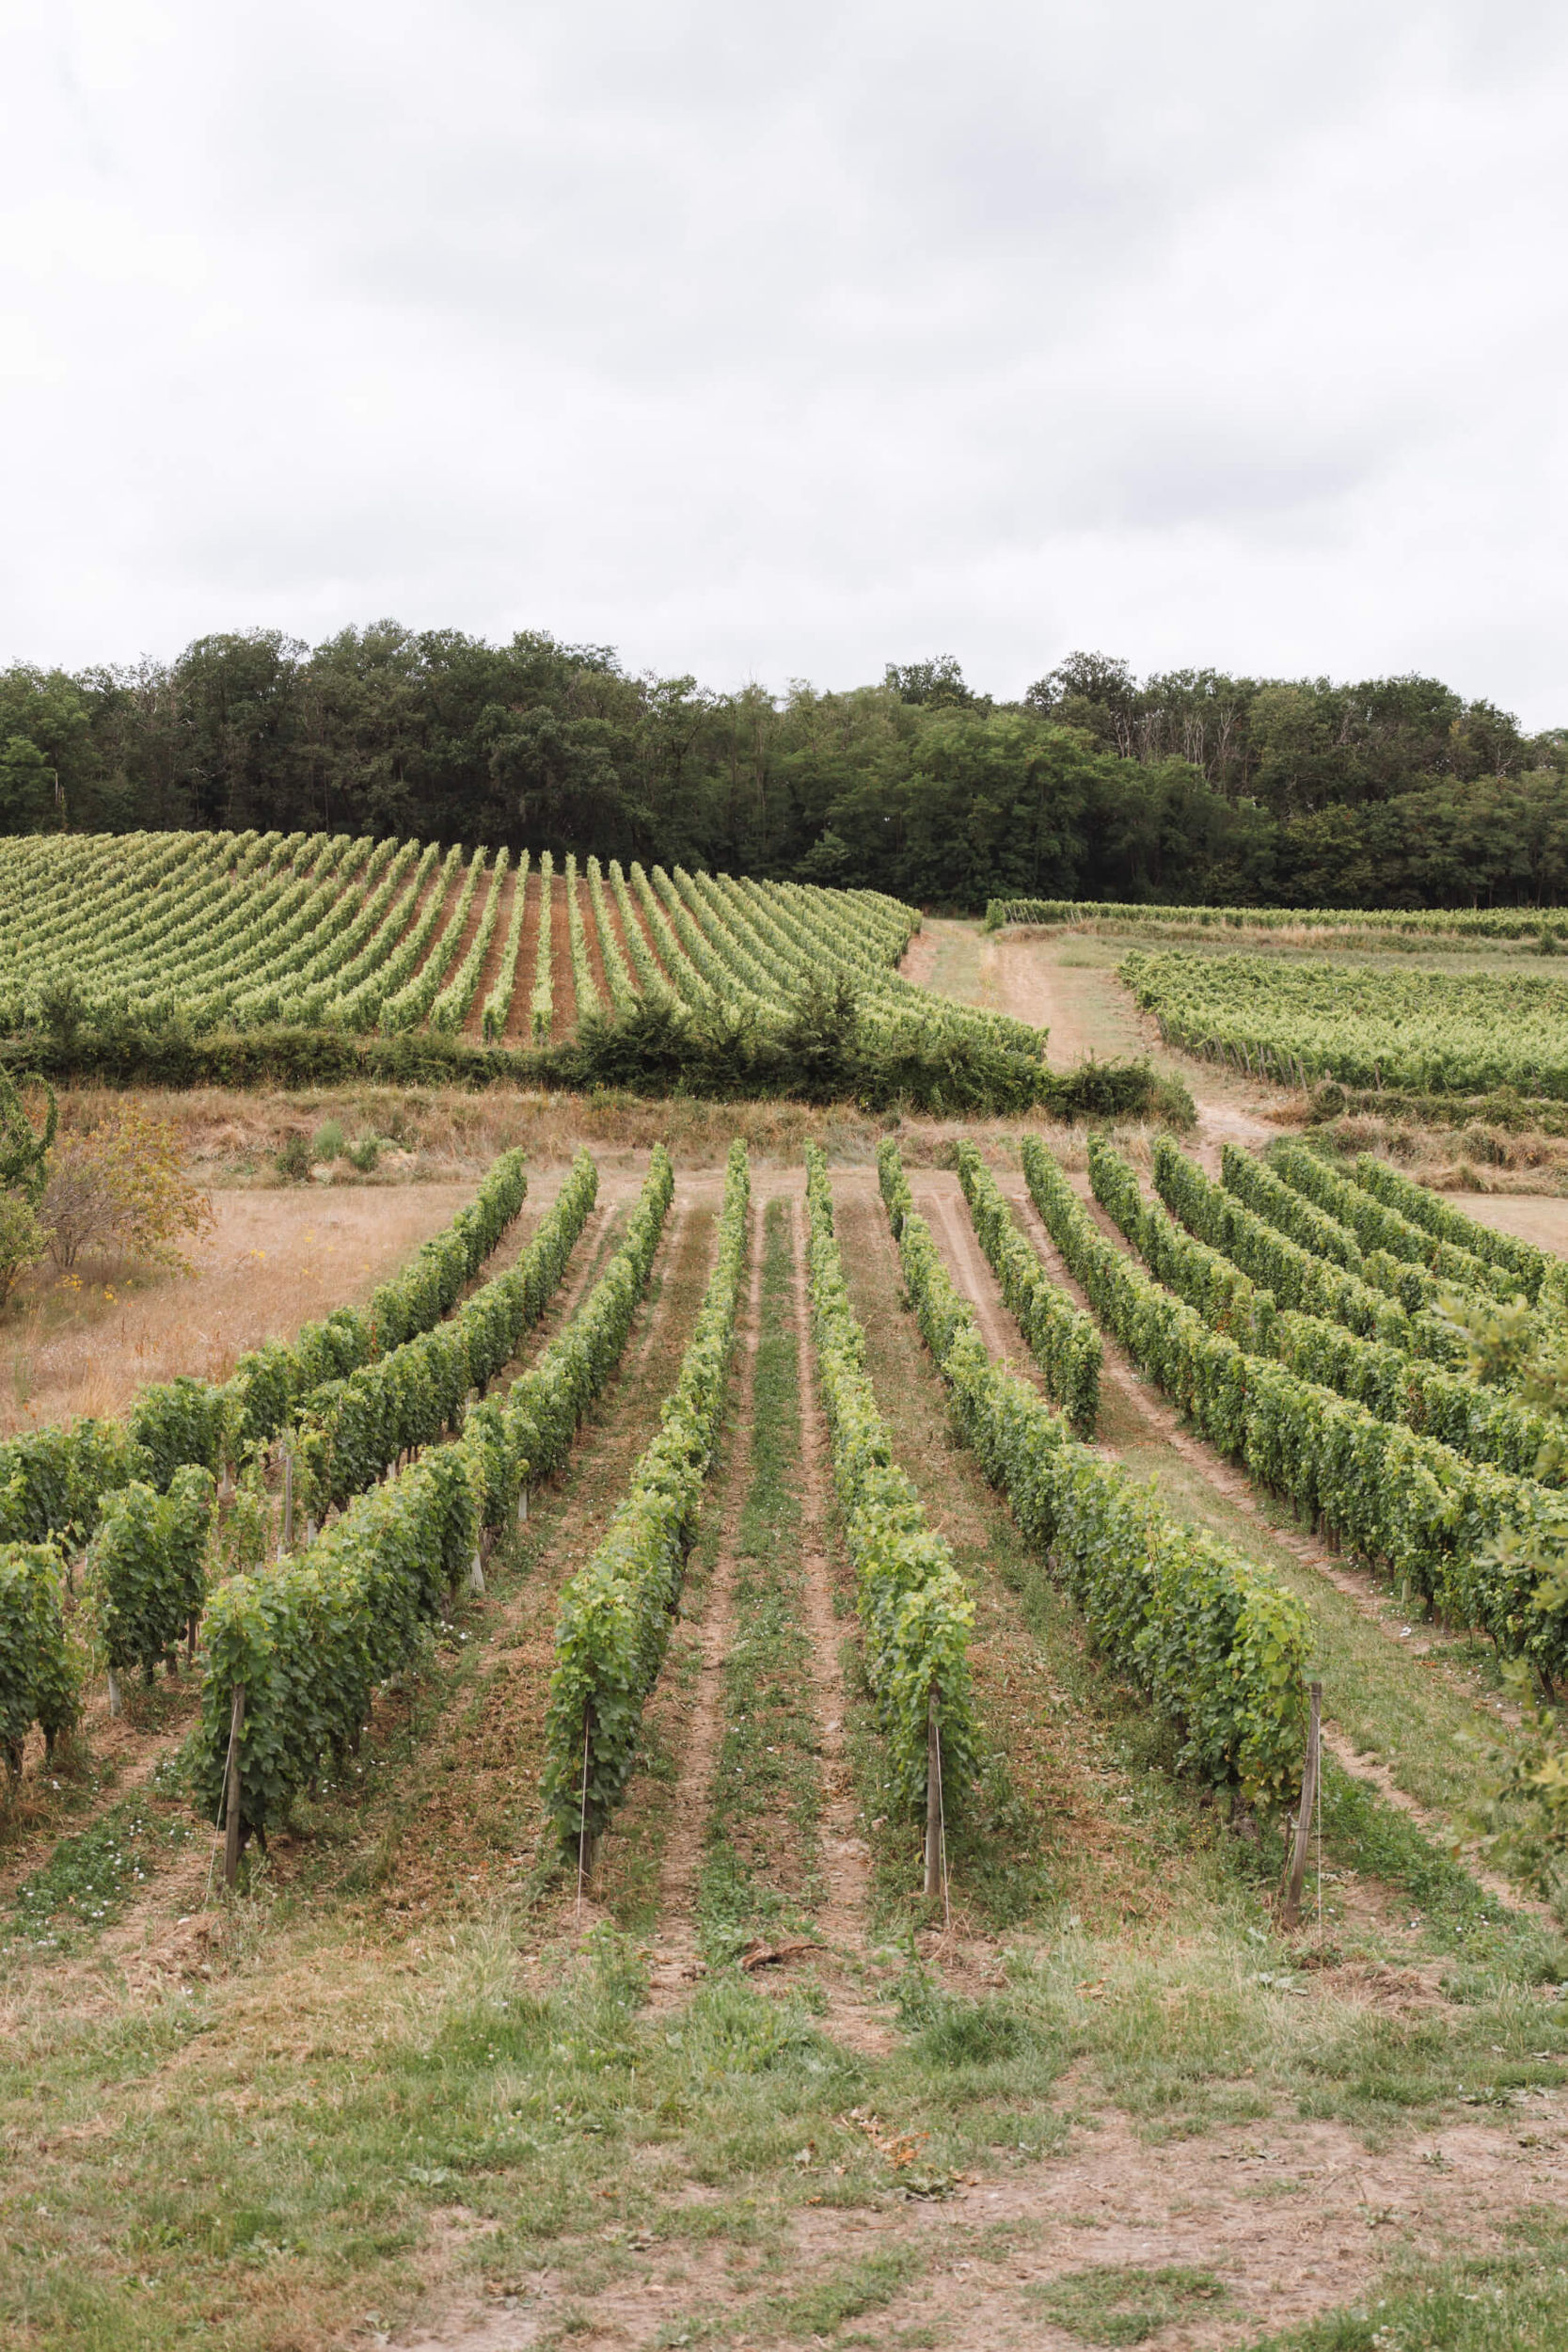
(245, 930)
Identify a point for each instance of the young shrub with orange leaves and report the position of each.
(121, 1187)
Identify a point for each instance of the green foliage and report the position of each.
(41, 1669)
(1378, 1226)
(1419, 1205)
(52, 1481)
(615, 1617)
(268, 1385)
(914, 1607)
(24, 1149)
(350, 1429)
(147, 1567)
(312, 1639)
(1398, 1498)
(1321, 1235)
(1212, 1639)
(293, 1159)
(23, 1240)
(1429, 1032)
(1394, 1385)
(1296, 1277)
(1062, 1340)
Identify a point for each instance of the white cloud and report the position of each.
(782, 342)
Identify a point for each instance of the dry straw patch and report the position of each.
(271, 1262)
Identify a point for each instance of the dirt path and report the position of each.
(682, 1862)
(1297, 2218)
(842, 1913)
(1066, 984)
(518, 1018)
(1527, 1216)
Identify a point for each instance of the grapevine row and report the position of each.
(310, 1643)
(1396, 1387)
(914, 1608)
(1395, 1498)
(615, 1613)
(1212, 1641)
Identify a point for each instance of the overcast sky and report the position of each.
(787, 340)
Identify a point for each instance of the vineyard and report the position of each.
(1433, 1033)
(1425, 926)
(750, 1736)
(246, 931)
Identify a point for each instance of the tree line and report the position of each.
(1190, 786)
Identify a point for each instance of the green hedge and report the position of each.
(313, 1639)
(1473, 1420)
(1403, 1501)
(41, 1668)
(1419, 1205)
(1296, 1277)
(615, 1613)
(1218, 1647)
(1063, 1340)
(1377, 1226)
(914, 1608)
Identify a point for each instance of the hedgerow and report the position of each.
(1401, 1500)
(41, 1667)
(1064, 1342)
(914, 1607)
(312, 1640)
(614, 1616)
(1376, 1226)
(1215, 1644)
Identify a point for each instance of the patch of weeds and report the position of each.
(1369, 1835)
(1504, 2302)
(1119, 2303)
(90, 1877)
(847, 2292)
(292, 1159)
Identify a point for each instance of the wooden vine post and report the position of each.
(1290, 1908)
(231, 1817)
(584, 1850)
(934, 1857)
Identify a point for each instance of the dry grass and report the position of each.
(272, 1262)
(232, 1136)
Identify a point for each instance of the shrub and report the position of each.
(122, 1187)
(364, 1153)
(328, 1142)
(22, 1241)
(292, 1159)
(24, 1152)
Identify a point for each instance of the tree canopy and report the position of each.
(1191, 786)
